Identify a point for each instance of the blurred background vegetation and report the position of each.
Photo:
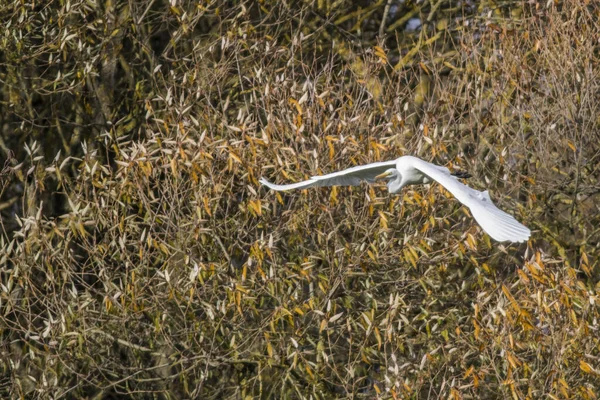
(139, 257)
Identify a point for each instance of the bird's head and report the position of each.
(388, 174)
(393, 178)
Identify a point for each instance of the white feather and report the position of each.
(410, 170)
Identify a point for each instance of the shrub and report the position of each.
(140, 256)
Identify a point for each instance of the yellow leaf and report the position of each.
(455, 394)
(514, 361)
(486, 268)
(323, 325)
(584, 258)
(163, 248)
(379, 51)
(293, 101)
(378, 337)
(235, 156)
(174, 165)
(471, 244)
(371, 255)
(333, 196)
(331, 150)
(507, 294)
(254, 205)
(409, 257)
(269, 349)
(523, 276)
(206, 206)
(468, 372)
(309, 371)
(477, 329)
(538, 260)
(585, 367)
(413, 252)
(383, 220)
(81, 229)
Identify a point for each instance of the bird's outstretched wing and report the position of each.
(348, 177)
(495, 222)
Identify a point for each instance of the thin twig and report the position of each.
(386, 10)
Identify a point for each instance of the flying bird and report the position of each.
(408, 170)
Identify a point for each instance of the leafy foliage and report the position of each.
(140, 255)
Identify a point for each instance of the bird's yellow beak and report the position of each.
(383, 176)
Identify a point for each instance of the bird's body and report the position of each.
(410, 170)
(410, 175)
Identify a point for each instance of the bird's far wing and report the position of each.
(348, 177)
(299, 185)
(495, 222)
(353, 176)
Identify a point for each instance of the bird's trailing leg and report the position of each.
(461, 174)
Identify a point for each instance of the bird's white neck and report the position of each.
(395, 185)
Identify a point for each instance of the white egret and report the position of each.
(410, 170)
